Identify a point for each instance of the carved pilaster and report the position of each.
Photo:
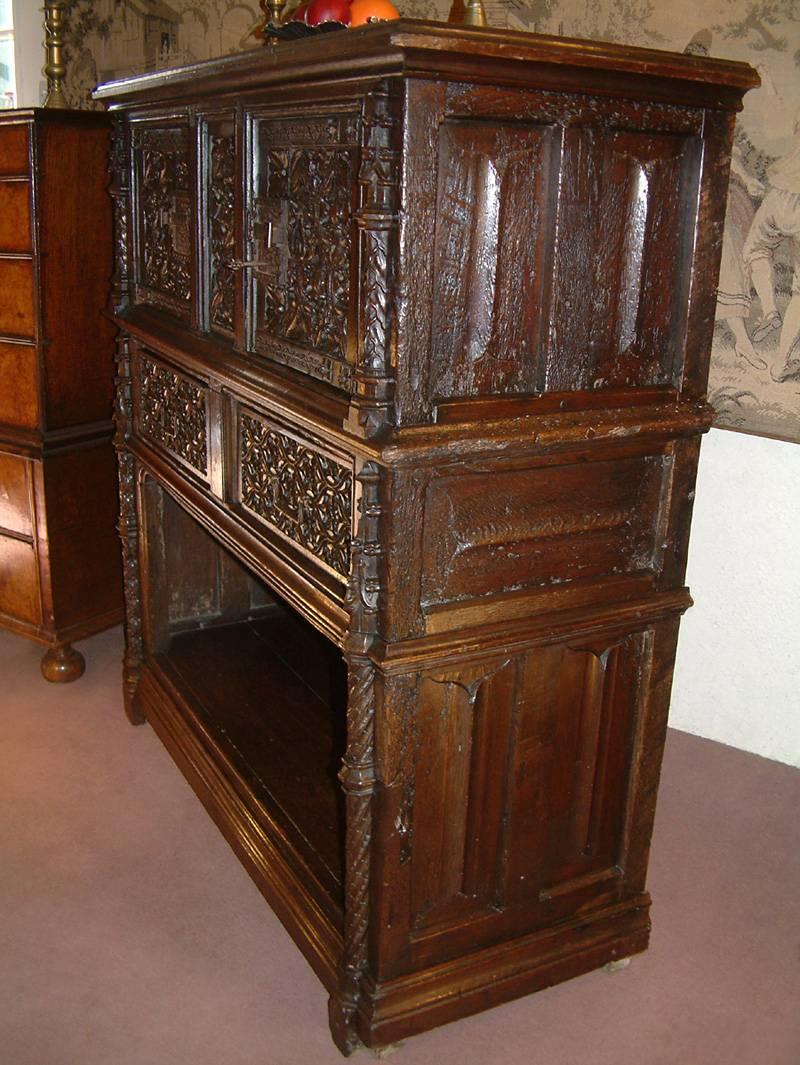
(129, 532)
(378, 180)
(120, 194)
(358, 769)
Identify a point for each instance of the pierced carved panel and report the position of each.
(164, 196)
(221, 173)
(171, 411)
(300, 241)
(305, 494)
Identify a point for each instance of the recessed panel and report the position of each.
(626, 214)
(489, 533)
(492, 230)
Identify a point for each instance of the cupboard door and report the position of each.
(300, 242)
(164, 236)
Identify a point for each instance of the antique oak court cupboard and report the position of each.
(415, 333)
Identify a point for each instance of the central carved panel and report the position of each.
(165, 211)
(299, 229)
(304, 493)
(221, 173)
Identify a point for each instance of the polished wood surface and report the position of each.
(60, 575)
(415, 334)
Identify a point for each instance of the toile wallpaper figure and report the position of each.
(755, 366)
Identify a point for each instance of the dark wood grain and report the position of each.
(417, 344)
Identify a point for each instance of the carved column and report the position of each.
(123, 414)
(358, 770)
(378, 180)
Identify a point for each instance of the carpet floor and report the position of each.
(130, 935)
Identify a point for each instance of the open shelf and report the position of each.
(257, 689)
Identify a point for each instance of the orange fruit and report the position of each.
(363, 11)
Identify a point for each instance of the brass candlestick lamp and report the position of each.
(54, 69)
(273, 9)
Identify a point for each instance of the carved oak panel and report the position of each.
(220, 176)
(163, 170)
(298, 489)
(626, 217)
(171, 411)
(521, 528)
(492, 234)
(300, 241)
(519, 782)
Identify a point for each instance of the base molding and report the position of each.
(399, 1008)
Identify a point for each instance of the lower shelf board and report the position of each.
(253, 715)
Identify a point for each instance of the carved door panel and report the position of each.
(519, 787)
(219, 229)
(299, 238)
(164, 241)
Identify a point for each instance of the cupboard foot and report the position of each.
(340, 1017)
(617, 965)
(62, 664)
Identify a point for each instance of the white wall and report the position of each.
(737, 676)
(29, 51)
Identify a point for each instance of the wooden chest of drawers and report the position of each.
(416, 325)
(60, 570)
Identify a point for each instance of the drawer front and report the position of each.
(19, 581)
(15, 495)
(14, 157)
(17, 317)
(171, 412)
(301, 490)
(15, 216)
(19, 398)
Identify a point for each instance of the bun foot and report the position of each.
(62, 664)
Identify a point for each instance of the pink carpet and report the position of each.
(130, 935)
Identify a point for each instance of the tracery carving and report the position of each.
(305, 494)
(220, 220)
(300, 240)
(165, 199)
(172, 412)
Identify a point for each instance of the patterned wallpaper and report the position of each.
(755, 377)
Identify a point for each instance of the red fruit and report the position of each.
(328, 11)
(299, 13)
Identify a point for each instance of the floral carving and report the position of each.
(166, 214)
(220, 221)
(301, 238)
(172, 412)
(305, 494)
